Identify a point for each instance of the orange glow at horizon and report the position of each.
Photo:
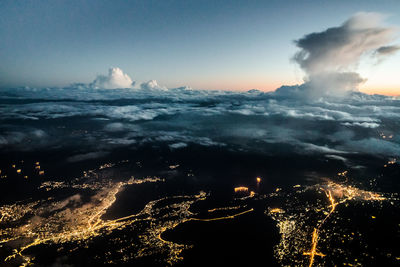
(383, 83)
(384, 91)
(270, 87)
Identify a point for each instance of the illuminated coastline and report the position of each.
(72, 220)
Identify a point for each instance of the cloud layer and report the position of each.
(96, 123)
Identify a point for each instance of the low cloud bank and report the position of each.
(252, 121)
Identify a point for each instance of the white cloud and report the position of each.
(115, 79)
(322, 149)
(152, 85)
(336, 157)
(362, 124)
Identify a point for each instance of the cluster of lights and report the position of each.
(226, 208)
(241, 189)
(67, 220)
(384, 136)
(390, 162)
(20, 171)
(245, 190)
(106, 165)
(294, 226)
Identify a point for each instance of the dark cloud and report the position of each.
(387, 50)
(86, 156)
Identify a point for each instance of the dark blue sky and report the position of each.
(204, 44)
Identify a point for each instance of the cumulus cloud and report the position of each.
(330, 57)
(335, 83)
(152, 85)
(115, 79)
